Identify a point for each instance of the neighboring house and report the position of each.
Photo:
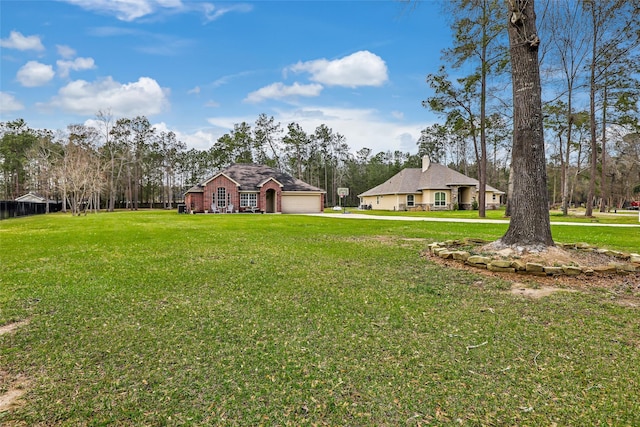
(432, 187)
(254, 188)
(32, 198)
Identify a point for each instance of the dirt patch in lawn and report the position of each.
(17, 386)
(10, 399)
(11, 327)
(522, 290)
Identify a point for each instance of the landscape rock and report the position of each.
(492, 267)
(533, 267)
(477, 259)
(629, 268)
(461, 255)
(571, 270)
(604, 269)
(554, 271)
(501, 263)
(518, 265)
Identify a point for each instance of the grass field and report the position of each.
(574, 216)
(154, 318)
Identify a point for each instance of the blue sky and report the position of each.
(196, 67)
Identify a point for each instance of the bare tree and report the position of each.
(568, 52)
(614, 38)
(80, 170)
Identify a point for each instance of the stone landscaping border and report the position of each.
(626, 263)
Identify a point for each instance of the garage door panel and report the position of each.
(300, 203)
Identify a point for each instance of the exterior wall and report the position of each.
(418, 204)
(193, 201)
(429, 198)
(233, 195)
(492, 200)
(387, 202)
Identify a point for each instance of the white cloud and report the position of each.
(212, 12)
(124, 10)
(201, 139)
(212, 104)
(360, 127)
(65, 51)
(143, 97)
(194, 91)
(17, 41)
(281, 91)
(130, 10)
(9, 103)
(359, 69)
(398, 115)
(77, 64)
(34, 73)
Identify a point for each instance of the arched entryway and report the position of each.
(270, 196)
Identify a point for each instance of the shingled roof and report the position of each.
(250, 177)
(415, 180)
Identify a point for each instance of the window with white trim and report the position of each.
(248, 199)
(222, 197)
(441, 199)
(410, 200)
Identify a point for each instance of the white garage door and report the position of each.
(300, 203)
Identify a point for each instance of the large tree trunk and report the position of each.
(529, 225)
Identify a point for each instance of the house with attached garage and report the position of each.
(254, 188)
(432, 187)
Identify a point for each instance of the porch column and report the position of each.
(454, 197)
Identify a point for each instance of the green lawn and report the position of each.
(575, 215)
(154, 318)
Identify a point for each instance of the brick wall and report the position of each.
(211, 189)
(262, 197)
(194, 202)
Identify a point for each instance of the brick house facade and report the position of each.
(255, 188)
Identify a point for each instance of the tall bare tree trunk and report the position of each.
(592, 115)
(603, 176)
(529, 226)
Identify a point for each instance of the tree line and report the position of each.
(127, 163)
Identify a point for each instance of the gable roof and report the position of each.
(251, 177)
(415, 180)
(33, 198)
